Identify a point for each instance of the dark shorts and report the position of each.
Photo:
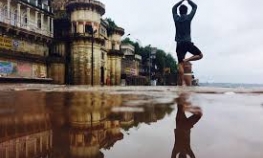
(184, 47)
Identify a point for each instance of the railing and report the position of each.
(23, 22)
(41, 6)
(46, 7)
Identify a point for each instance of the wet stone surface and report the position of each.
(116, 122)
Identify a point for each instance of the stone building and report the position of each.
(131, 65)
(115, 55)
(80, 33)
(26, 31)
(131, 61)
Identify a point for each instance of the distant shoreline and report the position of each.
(231, 85)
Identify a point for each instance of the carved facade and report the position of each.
(28, 49)
(26, 31)
(73, 42)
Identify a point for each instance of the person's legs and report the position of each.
(194, 58)
(180, 74)
(188, 79)
(181, 51)
(197, 54)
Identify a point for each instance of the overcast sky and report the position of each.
(228, 32)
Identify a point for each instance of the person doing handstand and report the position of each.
(184, 124)
(183, 36)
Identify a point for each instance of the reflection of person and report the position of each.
(183, 128)
(183, 36)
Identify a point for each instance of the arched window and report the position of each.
(5, 11)
(24, 19)
(14, 17)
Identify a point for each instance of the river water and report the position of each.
(47, 121)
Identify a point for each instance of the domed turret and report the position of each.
(92, 55)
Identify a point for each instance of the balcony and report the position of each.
(42, 6)
(20, 23)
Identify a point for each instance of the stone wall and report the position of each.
(81, 62)
(114, 64)
(57, 72)
(16, 68)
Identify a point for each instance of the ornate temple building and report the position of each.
(84, 50)
(26, 32)
(67, 41)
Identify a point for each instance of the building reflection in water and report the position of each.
(75, 125)
(90, 128)
(25, 129)
(184, 124)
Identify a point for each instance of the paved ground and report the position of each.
(116, 122)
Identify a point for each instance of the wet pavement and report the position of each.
(51, 121)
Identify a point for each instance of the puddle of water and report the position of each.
(115, 125)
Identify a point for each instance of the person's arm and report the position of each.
(175, 8)
(194, 8)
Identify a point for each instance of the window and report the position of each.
(16, 17)
(39, 23)
(113, 45)
(5, 11)
(103, 31)
(24, 20)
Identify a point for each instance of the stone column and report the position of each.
(52, 26)
(28, 17)
(42, 22)
(48, 25)
(72, 27)
(118, 70)
(77, 27)
(113, 63)
(36, 19)
(19, 16)
(97, 64)
(8, 9)
(84, 29)
(81, 28)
